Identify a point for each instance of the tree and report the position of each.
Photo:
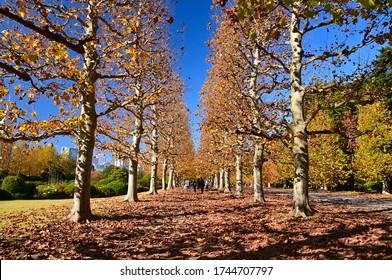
(373, 157)
(80, 54)
(345, 19)
(328, 164)
(255, 109)
(151, 80)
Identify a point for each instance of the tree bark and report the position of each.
(81, 209)
(154, 147)
(227, 180)
(301, 206)
(216, 180)
(170, 183)
(258, 173)
(221, 180)
(135, 148)
(238, 186)
(132, 181)
(385, 185)
(164, 170)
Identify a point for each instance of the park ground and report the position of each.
(180, 225)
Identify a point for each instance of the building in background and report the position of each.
(117, 162)
(100, 162)
(71, 152)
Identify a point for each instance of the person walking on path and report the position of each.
(187, 185)
(200, 184)
(193, 184)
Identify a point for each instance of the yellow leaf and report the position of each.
(34, 113)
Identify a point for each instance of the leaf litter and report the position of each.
(179, 225)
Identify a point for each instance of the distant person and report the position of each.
(187, 186)
(193, 184)
(200, 184)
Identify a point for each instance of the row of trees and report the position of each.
(277, 87)
(106, 70)
(36, 161)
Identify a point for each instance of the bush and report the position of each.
(143, 183)
(4, 195)
(105, 191)
(118, 187)
(69, 189)
(94, 191)
(103, 182)
(3, 174)
(113, 183)
(17, 187)
(45, 191)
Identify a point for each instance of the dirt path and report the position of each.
(357, 202)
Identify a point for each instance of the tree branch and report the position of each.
(78, 48)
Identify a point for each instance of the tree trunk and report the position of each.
(227, 180)
(238, 186)
(216, 180)
(154, 147)
(164, 170)
(81, 209)
(132, 182)
(221, 180)
(258, 173)
(134, 162)
(301, 206)
(385, 185)
(153, 179)
(170, 184)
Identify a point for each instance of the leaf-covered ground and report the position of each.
(180, 225)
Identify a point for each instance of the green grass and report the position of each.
(23, 205)
(26, 213)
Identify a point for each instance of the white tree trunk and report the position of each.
(301, 206)
(135, 149)
(221, 180)
(81, 209)
(154, 148)
(132, 182)
(216, 180)
(385, 185)
(227, 180)
(170, 183)
(238, 186)
(258, 173)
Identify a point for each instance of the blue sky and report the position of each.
(195, 15)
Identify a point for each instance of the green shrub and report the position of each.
(36, 183)
(119, 175)
(45, 191)
(94, 191)
(103, 182)
(3, 174)
(17, 187)
(69, 189)
(105, 191)
(118, 187)
(143, 183)
(4, 195)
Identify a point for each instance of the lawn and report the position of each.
(26, 205)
